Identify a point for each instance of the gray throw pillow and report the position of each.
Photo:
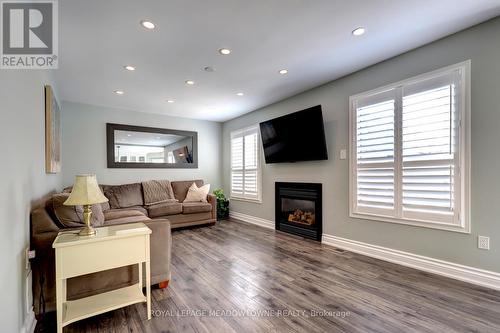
(123, 196)
(72, 216)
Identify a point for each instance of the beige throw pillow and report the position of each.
(197, 194)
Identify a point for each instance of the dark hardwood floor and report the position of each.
(260, 280)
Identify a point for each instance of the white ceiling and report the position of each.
(310, 38)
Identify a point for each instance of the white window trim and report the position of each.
(259, 164)
(464, 225)
(236, 198)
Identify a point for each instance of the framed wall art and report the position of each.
(52, 132)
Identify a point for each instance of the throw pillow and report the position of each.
(157, 191)
(123, 196)
(72, 216)
(197, 194)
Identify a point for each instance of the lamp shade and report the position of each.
(85, 192)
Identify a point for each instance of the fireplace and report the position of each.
(298, 209)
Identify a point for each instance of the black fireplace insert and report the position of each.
(298, 209)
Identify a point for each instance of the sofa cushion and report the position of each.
(123, 196)
(139, 209)
(164, 209)
(190, 219)
(113, 214)
(127, 219)
(181, 188)
(196, 207)
(72, 216)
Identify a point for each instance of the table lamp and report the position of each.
(86, 193)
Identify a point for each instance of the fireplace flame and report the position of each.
(302, 217)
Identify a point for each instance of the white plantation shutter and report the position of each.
(408, 145)
(251, 188)
(375, 153)
(245, 166)
(430, 146)
(237, 166)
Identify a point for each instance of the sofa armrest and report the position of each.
(161, 249)
(212, 199)
(42, 243)
(43, 270)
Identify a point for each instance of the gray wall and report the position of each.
(23, 182)
(84, 145)
(481, 44)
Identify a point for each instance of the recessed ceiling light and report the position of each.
(358, 31)
(224, 51)
(189, 82)
(283, 71)
(129, 68)
(240, 94)
(129, 134)
(148, 24)
(119, 92)
(170, 101)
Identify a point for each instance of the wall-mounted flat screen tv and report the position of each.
(298, 136)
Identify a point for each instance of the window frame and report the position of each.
(241, 133)
(463, 224)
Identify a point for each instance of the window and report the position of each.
(245, 164)
(410, 151)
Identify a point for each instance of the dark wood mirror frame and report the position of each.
(110, 138)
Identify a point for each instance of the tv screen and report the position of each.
(299, 136)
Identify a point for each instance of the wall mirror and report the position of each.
(146, 147)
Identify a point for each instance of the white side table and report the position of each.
(112, 247)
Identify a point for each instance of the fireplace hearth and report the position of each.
(298, 209)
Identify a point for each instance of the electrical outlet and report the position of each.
(343, 154)
(483, 242)
(28, 255)
(26, 258)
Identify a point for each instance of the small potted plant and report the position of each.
(222, 204)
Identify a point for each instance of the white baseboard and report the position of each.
(252, 219)
(455, 271)
(29, 323)
(30, 320)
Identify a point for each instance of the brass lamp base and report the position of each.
(88, 230)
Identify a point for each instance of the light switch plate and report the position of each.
(343, 154)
